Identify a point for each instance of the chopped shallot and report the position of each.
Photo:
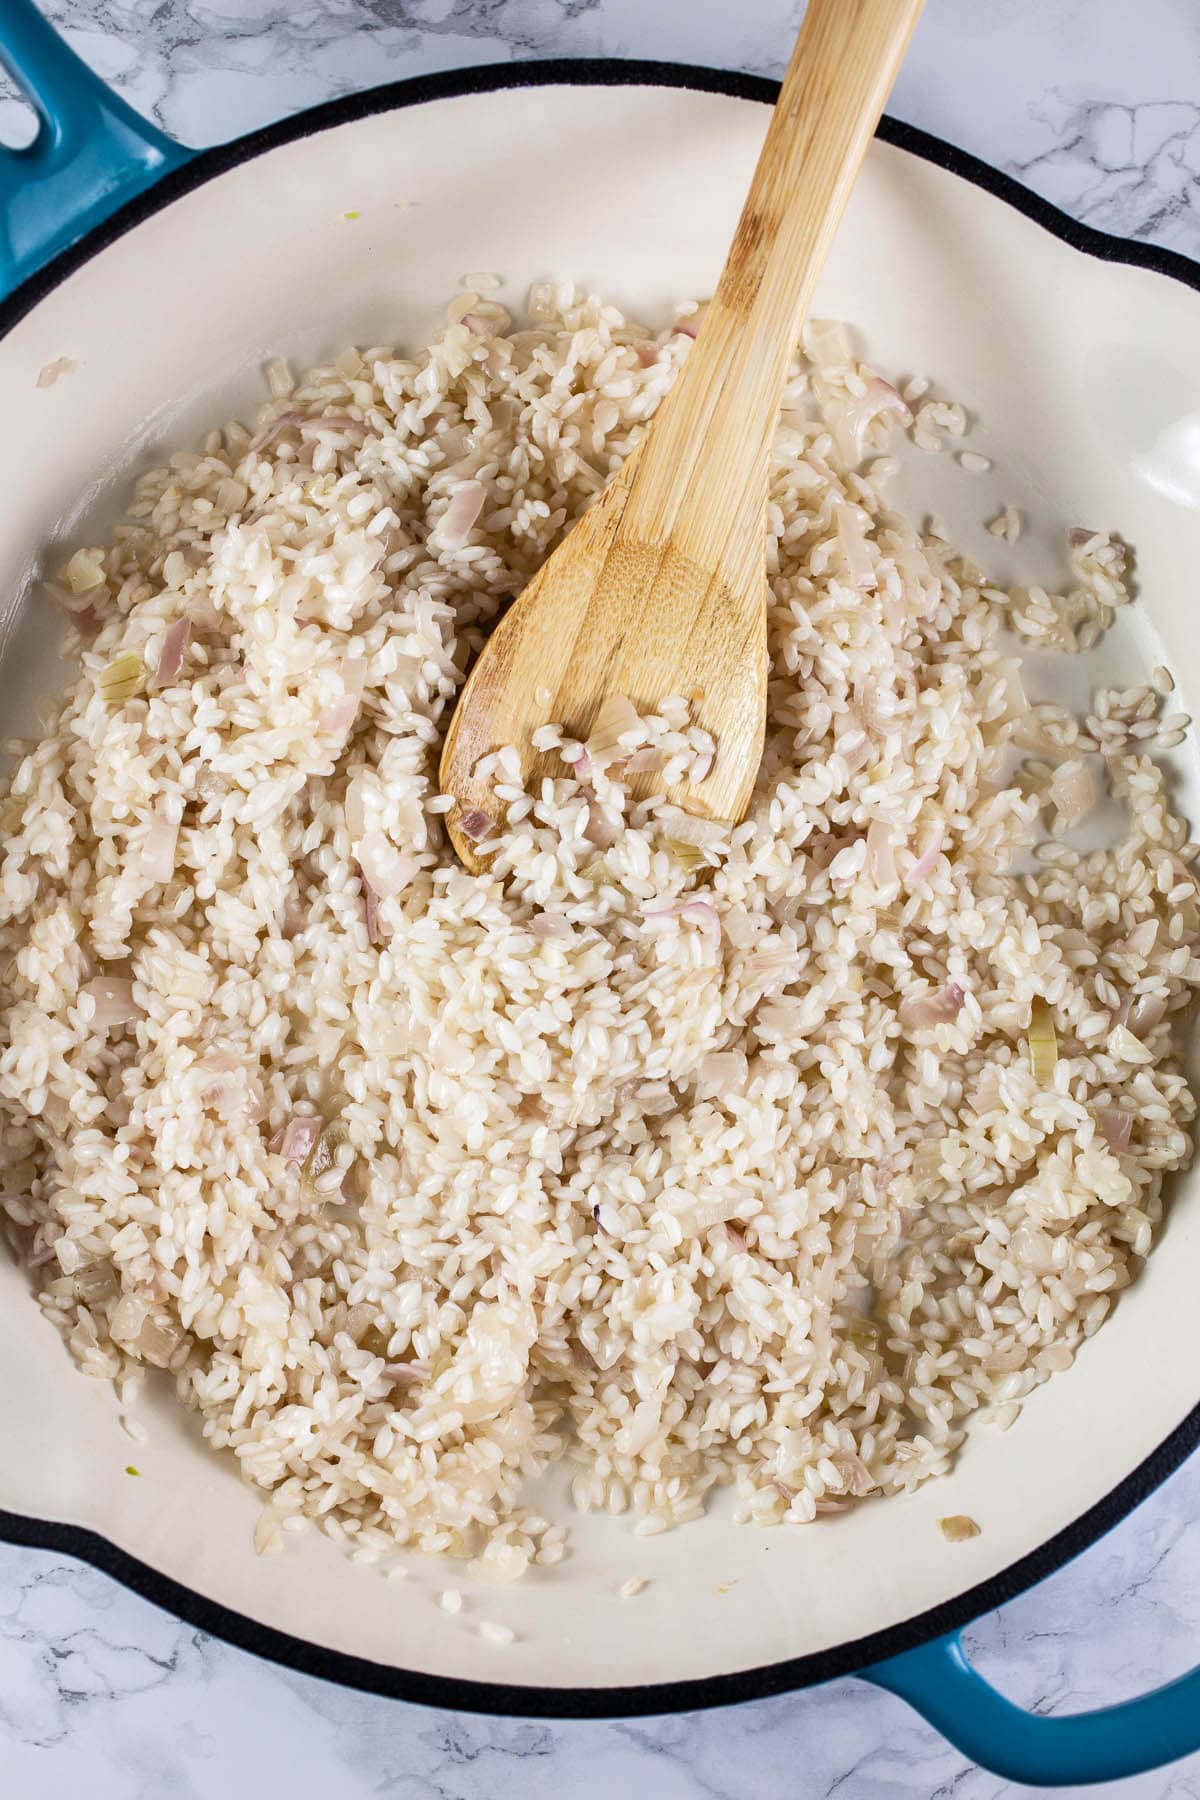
(370, 900)
(827, 343)
(926, 861)
(385, 868)
(170, 657)
(405, 1372)
(1116, 1126)
(1072, 792)
(156, 852)
(330, 422)
(857, 1479)
(127, 1317)
(697, 912)
(722, 1071)
(338, 718)
(354, 674)
(455, 525)
(299, 1136)
(616, 720)
(603, 826)
(1043, 1042)
(551, 926)
(647, 761)
(1016, 702)
(880, 861)
(286, 421)
(859, 565)
(1143, 1012)
(96, 1283)
(939, 1008)
(226, 1093)
(876, 706)
(475, 826)
(356, 806)
(704, 914)
(115, 1004)
(857, 416)
(158, 1340)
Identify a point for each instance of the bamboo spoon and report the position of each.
(661, 587)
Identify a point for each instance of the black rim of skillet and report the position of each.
(658, 1697)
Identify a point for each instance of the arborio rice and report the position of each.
(765, 1155)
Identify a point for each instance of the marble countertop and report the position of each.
(101, 1694)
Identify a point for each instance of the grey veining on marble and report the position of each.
(1097, 106)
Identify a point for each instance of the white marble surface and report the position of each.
(1095, 104)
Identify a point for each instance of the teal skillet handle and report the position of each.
(1114, 1741)
(91, 154)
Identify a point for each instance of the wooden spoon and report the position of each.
(661, 587)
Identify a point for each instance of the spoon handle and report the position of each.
(701, 479)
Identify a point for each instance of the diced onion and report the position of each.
(1043, 1042)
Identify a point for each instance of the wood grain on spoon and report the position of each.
(661, 587)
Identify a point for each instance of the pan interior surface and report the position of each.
(1085, 379)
